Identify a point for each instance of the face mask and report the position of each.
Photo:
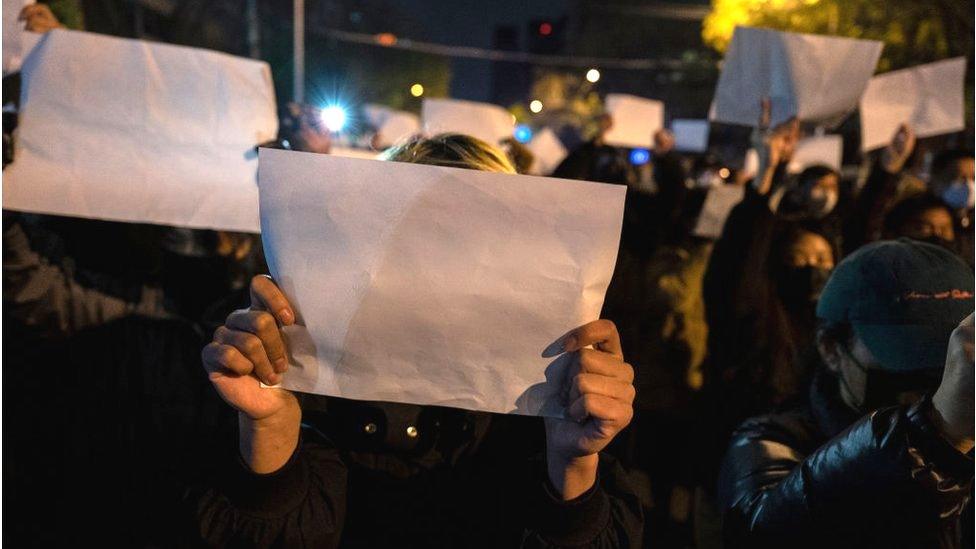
(960, 194)
(942, 243)
(821, 202)
(883, 388)
(801, 286)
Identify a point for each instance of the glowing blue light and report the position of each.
(523, 133)
(334, 118)
(639, 157)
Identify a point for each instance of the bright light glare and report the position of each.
(592, 75)
(334, 118)
(639, 157)
(523, 133)
(724, 173)
(417, 90)
(535, 106)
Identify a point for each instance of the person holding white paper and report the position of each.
(450, 478)
(762, 282)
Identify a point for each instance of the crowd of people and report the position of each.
(804, 379)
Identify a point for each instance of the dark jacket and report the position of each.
(822, 476)
(463, 479)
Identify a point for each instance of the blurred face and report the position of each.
(823, 195)
(809, 250)
(955, 185)
(935, 222)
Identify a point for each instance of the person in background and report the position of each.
(923, 217)
(763, 278)
(873, 458)
(320, 472)
(952, 181)
(597, 161)
(882, 189)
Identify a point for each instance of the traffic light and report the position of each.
(545, 36)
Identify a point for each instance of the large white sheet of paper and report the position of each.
(136, 131)
(825, 150)
(392, 126)
(815, 78)
(690, 135)
(718, 205)
(434, 285)
(635, 120)
(487, 122)
(547, 151)
(928, 97)
(17, 42)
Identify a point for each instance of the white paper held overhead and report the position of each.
(392, 126)
(824, 150)
(487, 122)
(149, 133)
(635, 120)
(815, 78)
(928, 97)
(690, 135)
(433, 285)
(719, 203)
(547, 152)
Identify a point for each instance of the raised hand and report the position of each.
(601, 398)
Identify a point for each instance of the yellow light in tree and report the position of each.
(592, 75)
(417, 90)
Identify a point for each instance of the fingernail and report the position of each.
(569, 343)
(281, 365)
(286, 317)
(274, 379)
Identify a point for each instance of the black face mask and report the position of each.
(884, 388)
(942, 243)
(801, 286)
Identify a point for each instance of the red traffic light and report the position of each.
(545, 29)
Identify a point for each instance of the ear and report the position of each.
(829, 351)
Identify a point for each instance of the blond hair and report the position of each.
(450, 149)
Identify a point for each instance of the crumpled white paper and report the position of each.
(142, 132)
(929, 97)
(487, 122)
(814, 78)
(433, 285)
(635, 120)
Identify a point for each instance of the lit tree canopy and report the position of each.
(913, 31)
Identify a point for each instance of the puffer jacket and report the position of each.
(824, 477)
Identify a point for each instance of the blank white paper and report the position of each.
(487, 122)
(432, 285)
(928, 97)
(635, 120)
(136, 131)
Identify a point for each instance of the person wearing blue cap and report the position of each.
(881, 455)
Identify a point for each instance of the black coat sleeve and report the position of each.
(303, 504)
(865, 221)
(888, 476)
(609, 515)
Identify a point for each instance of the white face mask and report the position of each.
(822, 202)
(960, 194)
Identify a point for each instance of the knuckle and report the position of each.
(252, 344)
(263, 321)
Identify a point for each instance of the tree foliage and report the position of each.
(913, 31)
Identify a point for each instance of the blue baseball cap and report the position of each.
(903, 298)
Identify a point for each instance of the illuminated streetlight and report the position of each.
(535, 106)
(592, 75)
(417, 90)
(334, 118)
